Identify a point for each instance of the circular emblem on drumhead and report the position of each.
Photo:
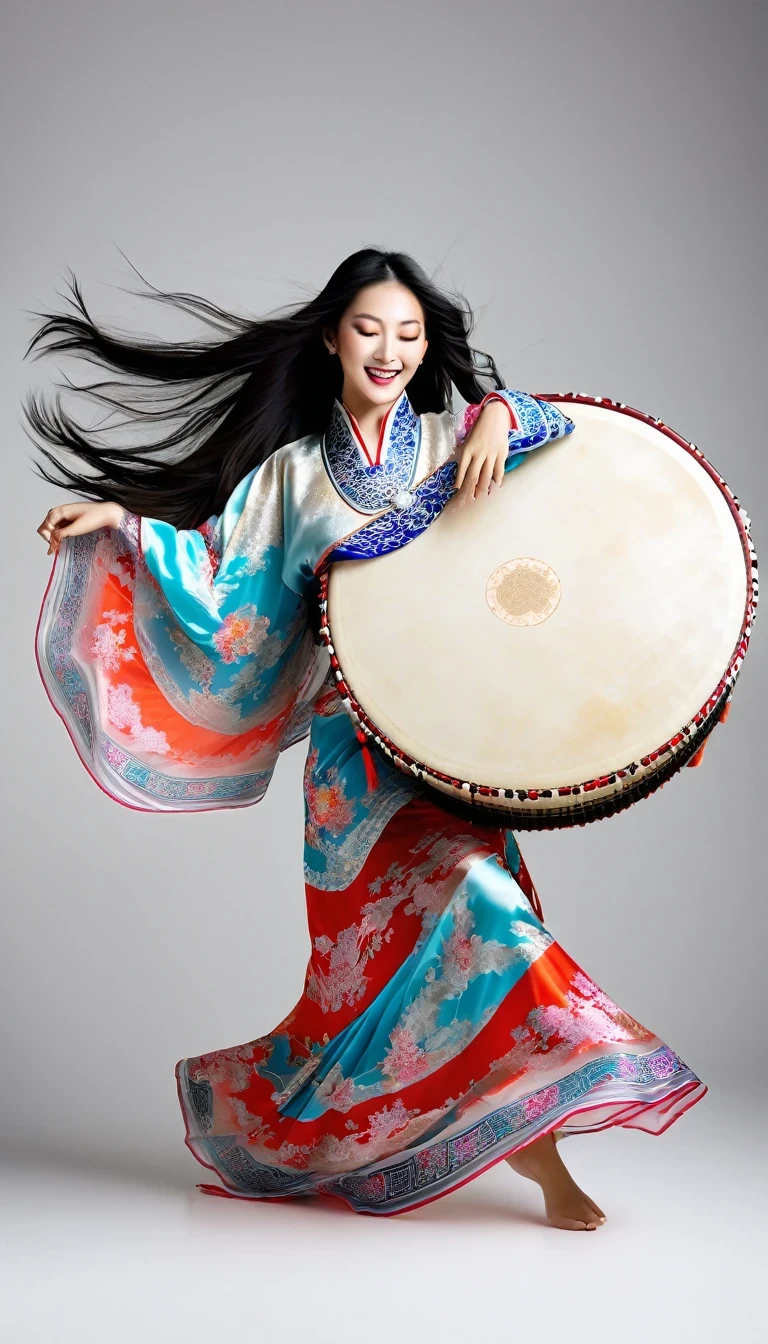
(523, 591)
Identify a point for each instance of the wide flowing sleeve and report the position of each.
(182, 661)
(533, 422)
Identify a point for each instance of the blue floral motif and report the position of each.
(398, 527)
(369, 489)
(559, 424)
(534, 427)
(538, 420)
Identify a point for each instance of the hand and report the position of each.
(484, 452)
(77, 518)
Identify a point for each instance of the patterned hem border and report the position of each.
(112, 767)
(619, 1085)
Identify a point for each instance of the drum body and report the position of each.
(558, 650)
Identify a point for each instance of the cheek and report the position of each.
(352, 349)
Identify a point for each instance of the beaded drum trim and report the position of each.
(591, 799)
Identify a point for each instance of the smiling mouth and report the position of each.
(381, 375)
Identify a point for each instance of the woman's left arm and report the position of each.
(498, 432)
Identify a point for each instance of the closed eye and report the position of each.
(376, 333)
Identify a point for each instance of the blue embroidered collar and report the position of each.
(384, 483)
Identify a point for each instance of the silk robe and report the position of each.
(440, 1025)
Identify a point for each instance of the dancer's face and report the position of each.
(380, 341)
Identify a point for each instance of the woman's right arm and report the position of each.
(222, 581)
(76, 518)
(178, 559)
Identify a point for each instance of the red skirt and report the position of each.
(441, 1026)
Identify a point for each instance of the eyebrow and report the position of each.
(405, 322)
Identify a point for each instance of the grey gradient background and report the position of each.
(590, 176)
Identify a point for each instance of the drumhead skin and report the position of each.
(561, 628)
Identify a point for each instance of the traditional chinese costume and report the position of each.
(440, 1026)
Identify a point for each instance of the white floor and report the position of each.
(98, 1258)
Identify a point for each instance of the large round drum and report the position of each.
(557, 650)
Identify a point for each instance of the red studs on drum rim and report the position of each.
(466, 790)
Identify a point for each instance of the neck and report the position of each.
(370, 415)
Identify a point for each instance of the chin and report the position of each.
(380, 395)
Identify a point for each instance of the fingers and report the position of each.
(74, 529)
(52, 537)
(46, 527)
(51, 520)
(464, 461)
(63, 513)
(470, 480)
(486, 476)
(498, 470)
(55, 524)
(477, 471)
(47, 530)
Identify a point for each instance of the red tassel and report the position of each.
(697, 759)
(371, 775)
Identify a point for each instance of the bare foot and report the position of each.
(565, 1203)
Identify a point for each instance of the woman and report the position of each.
(441, 1028)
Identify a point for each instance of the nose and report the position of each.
(385, 348)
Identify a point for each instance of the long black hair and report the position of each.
(228, 403)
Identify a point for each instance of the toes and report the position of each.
(573, 1224)
(587, 1221)
(598, 1212)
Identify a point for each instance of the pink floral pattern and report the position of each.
(554, 1034)
(327, 805)
(124, 713)
(108, 644)
(241, 632)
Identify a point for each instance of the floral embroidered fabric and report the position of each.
(440, 1024)
(371, 488)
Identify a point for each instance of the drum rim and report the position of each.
(601, 790)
